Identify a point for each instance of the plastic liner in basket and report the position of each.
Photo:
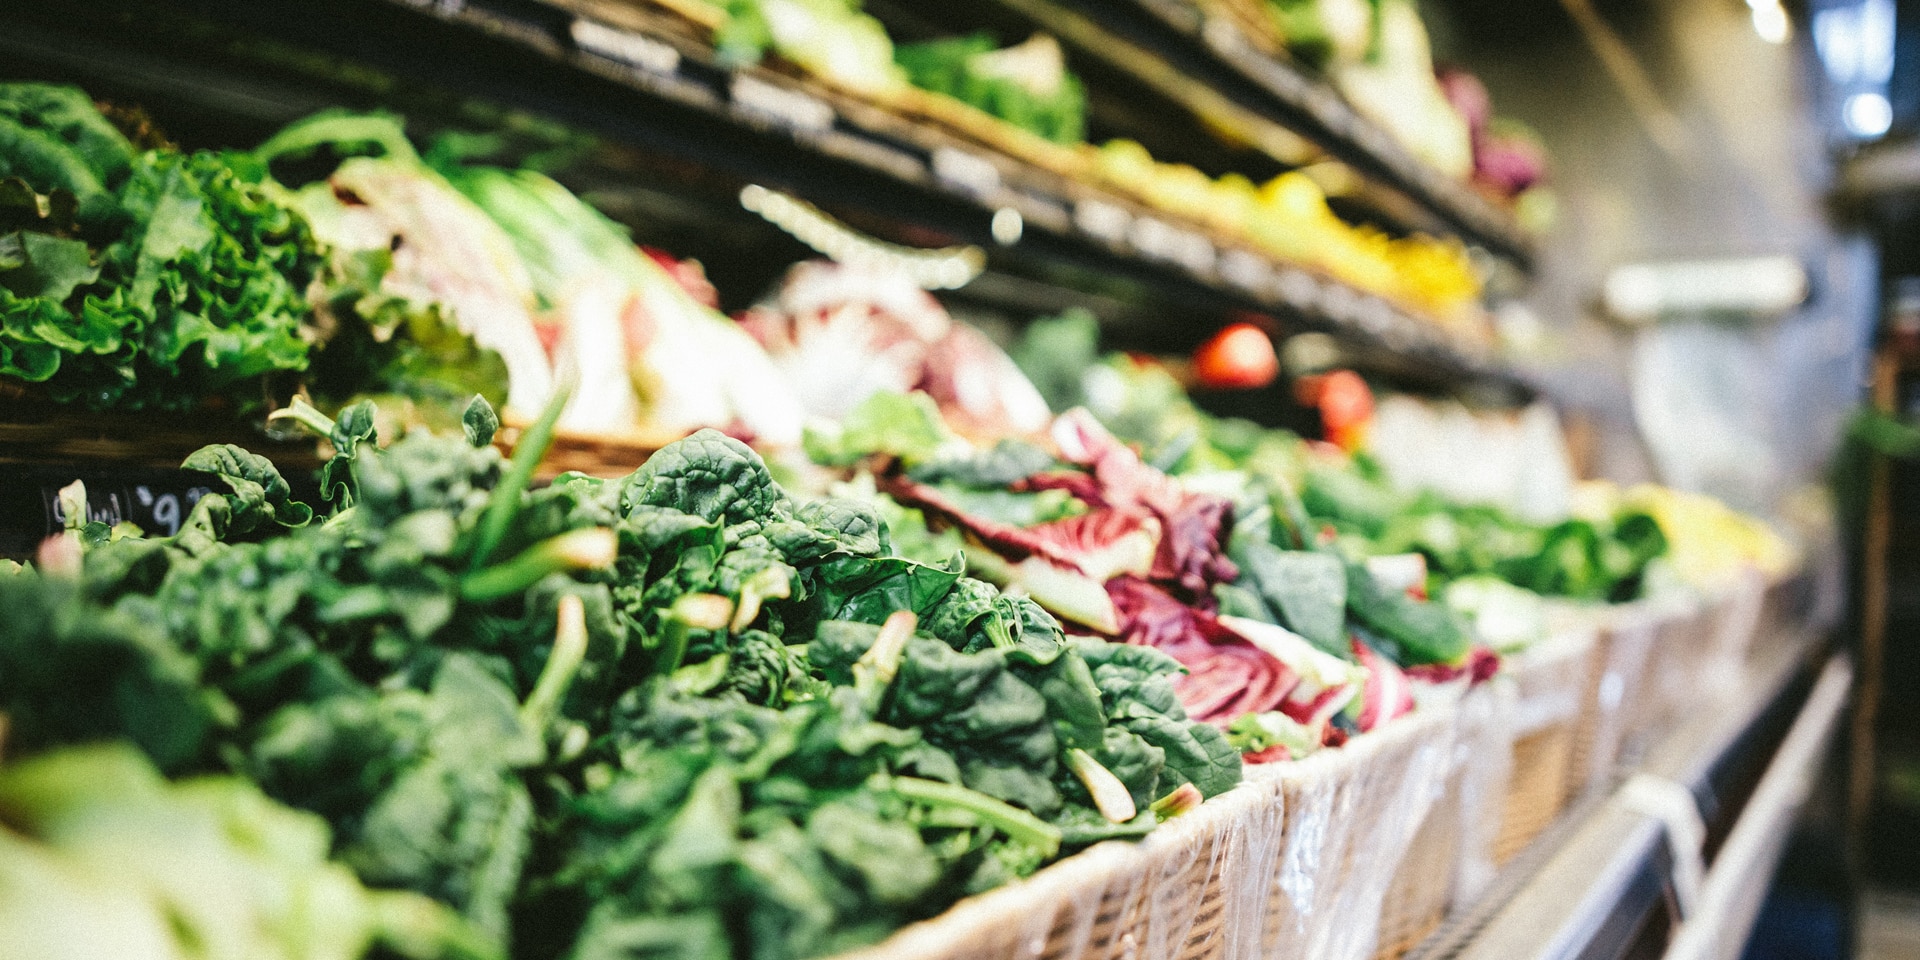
(1483, 754)
(1166, 898)
(1735, 623)
(1549, 684)
(1614, 690)
(1452, 846)
(1350, 815)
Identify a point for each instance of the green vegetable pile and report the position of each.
(158, 279)
(1583, 559)
(1026, 85)
(679, 714)
(139, 279)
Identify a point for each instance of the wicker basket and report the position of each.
(1550, 684)
(1735, 624)
(1624, 646)
(1282, 866)
(1351, 815)
(1450, 852)
(1682, 649)
(1167, 898)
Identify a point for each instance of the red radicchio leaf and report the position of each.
(1228, 681)
(1227, 677)
(1014, 543)
(1278, 753)
(689, 274)
(1151, 617)
(1194, 526)
(1387, 693)
(1082, 486)
(1480, 666)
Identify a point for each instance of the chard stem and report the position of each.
(504, 504)
(695, 611)
(306, 415)
(876, 668)
(1019, 825)
(1183, 798)
(1110, 796)
(569, 651)
(586, 549)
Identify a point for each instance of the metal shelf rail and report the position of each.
(1675, 859)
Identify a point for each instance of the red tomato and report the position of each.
(1346, 408)
(1239, 357)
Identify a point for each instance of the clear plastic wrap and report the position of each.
(1552, 686)
(1483, 749)
(1735, 623)
(1450, 857)
(1351, 814)
(1614, 694)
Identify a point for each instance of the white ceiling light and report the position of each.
(1867, 114)
(1753, 286)
(1770, 20)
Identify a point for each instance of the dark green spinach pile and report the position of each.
(679, 714)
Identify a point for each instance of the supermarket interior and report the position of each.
(966, 480)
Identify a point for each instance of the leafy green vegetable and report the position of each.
(1056, 353)
(1419, 632)
(1302, 590)
(73, 675)
(1027, 85)
(97, 849)
(680, 712)
(902, 425)
(831, 38)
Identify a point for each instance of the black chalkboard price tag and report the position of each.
(157, 501)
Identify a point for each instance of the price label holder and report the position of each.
(1298, 289)
(444, 8)
(157, 501)
(780, 106)
(1103, 221)
(645, 55)
(1247, 271)
(969, 173)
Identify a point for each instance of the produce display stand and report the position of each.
(1295, 862)
(1389, 846)
(1492, 822)
(1553, 690)
(1629, 874)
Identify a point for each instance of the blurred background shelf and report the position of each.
(678, 135)
(1208, 63)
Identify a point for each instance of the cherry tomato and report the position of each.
(1239, 357)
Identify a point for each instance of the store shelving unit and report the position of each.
(1674, 857)
(654, 91)
(1208, 63)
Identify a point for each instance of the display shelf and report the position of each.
(1610, 881)
(659, 93)
(1207, 63)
